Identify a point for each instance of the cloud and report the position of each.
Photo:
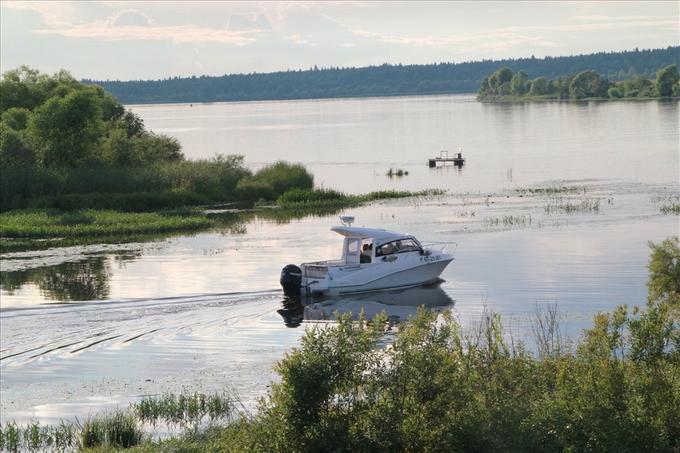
(240, 22)
(54, 13)
(177, 33)
(131, 24)
(129, 18)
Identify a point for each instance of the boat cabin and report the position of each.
(370, 245)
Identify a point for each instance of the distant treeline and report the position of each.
(506, 85)
(384, 80)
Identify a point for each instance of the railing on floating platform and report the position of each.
(444, 158)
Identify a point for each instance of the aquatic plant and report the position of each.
(37, 437)
(396, 172)
(551, 190)
(670, 203)
(187, 410)
(508, 221)
(331, 198)
(673, 209)
(562, 206)
(119, 430)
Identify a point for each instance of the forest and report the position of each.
(382, 80)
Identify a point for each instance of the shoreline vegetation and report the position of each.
(379, 81)
(78, 167)
(504, 85)
(429, 384)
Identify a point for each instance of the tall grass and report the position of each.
(120, 429)
(185, 410)
(550, 190)
(298, 198)
(169, 184)
(566, 206)
(117, 430)
(53, 223)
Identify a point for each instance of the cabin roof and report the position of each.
(367, 233)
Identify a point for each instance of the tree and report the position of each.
(638, 87)
(16, 118)
(666, 78)
(157, 148)
(119, 150)
(66, 130)
(13, 150)
(615, 92)
(518, 83)
(498, 78)
(588, 84)
(539, 86)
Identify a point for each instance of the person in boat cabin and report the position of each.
(365, 256)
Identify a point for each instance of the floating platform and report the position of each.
(444, 158)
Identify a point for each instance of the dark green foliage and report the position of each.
(67, 124)
(383, 80)
(16, 118)
(14, 152)
(107, 187)
(519, 84)
(638, 87)
(584, 85)
(588, 84)
(539, 87)
(65, 130)
(666, 79)
(664, 270)
(283, 177)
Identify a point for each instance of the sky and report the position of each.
(131, 40)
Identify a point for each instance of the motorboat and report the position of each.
(372, 259)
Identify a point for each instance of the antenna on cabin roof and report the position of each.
(347, 220)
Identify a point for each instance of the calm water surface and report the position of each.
(87, 328)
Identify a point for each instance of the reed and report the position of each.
(562, 206)
(550, 190)
(117, 430)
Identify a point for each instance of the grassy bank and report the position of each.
(33, 229)
(436, 386)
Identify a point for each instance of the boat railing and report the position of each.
(437, 246)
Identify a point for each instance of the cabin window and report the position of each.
(400, 246)
(352, 251)
(407, 245)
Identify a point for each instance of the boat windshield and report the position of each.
(399, 246)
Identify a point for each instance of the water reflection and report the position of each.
(397, 305)
(71, 281)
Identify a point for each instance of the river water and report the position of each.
(85, 329)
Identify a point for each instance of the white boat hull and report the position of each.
(357, 279)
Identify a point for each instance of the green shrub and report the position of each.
(252, 190)
(283, 177)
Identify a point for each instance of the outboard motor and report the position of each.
(291, 280)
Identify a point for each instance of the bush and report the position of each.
(283, 177)
(147, 187)
(251, 190)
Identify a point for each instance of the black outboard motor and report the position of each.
(291, 279)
